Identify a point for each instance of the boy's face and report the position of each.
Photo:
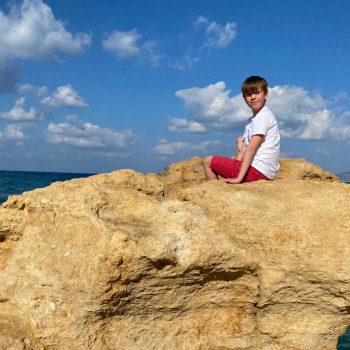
(255, 100)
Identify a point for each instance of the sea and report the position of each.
(17, 182)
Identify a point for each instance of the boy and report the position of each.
(257, 151)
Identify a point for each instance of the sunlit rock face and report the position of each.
(171, 261)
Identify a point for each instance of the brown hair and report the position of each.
(254, 84)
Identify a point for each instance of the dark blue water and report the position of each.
(17, 182)
(344, 341)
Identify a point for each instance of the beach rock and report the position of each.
(171, 261)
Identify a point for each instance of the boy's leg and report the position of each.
(229, 168)
(209, 174)
(224, 166)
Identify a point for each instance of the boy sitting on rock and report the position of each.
(257, 151)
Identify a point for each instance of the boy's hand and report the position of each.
(234, 180)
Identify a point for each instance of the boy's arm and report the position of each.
(239, 148)
(249, 153)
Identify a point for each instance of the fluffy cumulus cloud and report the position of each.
(30, 30)
(19, 114)
(218, 36)
(126, 44)
(123, 44)
(75, 132)
(184, 126)
(305, 115)
(32, 89)
(64, 96)
(340, 132)
(166, 148)
(301, 113)
(213, 107)
(12, 132)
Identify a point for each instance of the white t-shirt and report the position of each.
(266, 158)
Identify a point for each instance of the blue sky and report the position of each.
(94, 86)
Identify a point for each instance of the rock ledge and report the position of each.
(132, 261)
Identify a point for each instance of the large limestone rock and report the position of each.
(171, 261)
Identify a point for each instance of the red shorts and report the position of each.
(229, 168)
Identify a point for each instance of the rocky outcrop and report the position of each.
(171, 261)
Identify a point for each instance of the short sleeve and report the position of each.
(260, 123)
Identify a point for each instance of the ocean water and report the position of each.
(17, 182)
(344, 341)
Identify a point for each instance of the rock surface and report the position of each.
(171, 261)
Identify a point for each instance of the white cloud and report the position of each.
(19, 114)
(81, 134)
(166, 148)
(149, 52)
(30, 30)
(200, 20)
(186, 62)
(300, 113)
(346, 114)
(64, 96)
(129, 44)
(218, 36)
(31, 89)
(340, 133)
(213, 107)
(342, 96)
(123, 44)
(12, 132)
(185, 126)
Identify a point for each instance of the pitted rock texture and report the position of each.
(171, 261)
